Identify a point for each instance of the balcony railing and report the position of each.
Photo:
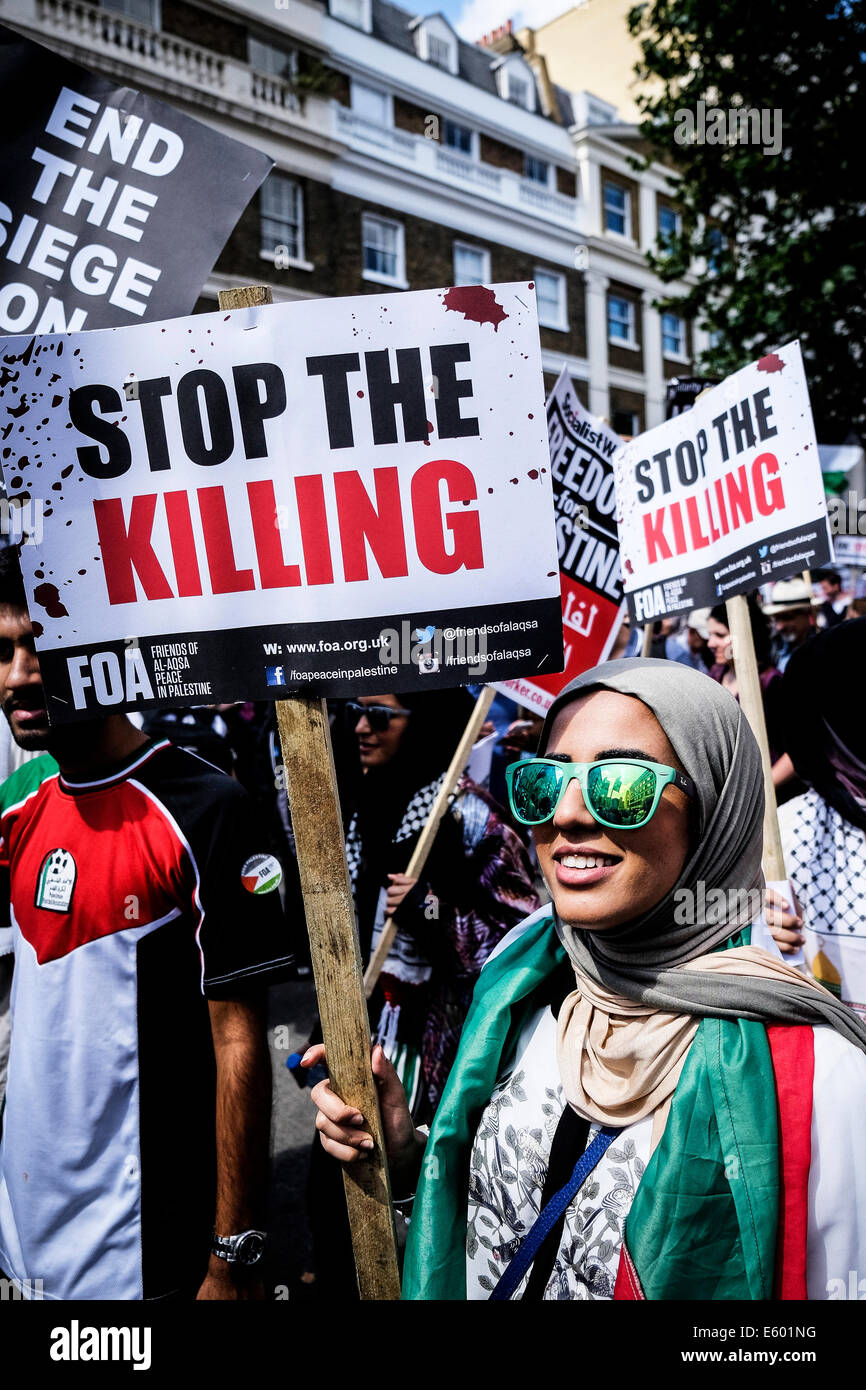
(104, 30)
(445, 166)
(357, 130)
(162, 56)
(467, 170)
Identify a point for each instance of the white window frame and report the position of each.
(270, 53)
(433, 27)
(358, 102)
(624, 212)
(559, 319)
(379, 277)
(475, 251)
(298, 261)
(678, 221)
(358, 13)
(547, 164)
(514, 69)
(472, 152)
(675, 354)
(117, 7)
(629, 342)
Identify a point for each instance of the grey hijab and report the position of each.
(715, 745)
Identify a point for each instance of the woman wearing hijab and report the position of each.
(608, 1129)
(824, 831)
(393, 752)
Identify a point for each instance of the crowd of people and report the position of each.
(566, 1060)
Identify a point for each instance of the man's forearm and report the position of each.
(243, 1114)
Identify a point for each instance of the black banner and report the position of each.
(377, 655)
(113, 206)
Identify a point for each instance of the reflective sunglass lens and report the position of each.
(621, 794)
(535, 791)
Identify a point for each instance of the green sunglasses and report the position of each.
(621, 793)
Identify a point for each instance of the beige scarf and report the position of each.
(620, 1060)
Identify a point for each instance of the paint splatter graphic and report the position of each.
(477, 304)
(48, 597)
(771, 363)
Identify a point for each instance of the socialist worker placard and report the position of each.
(725, 497)
(293, 497)
(584, 497)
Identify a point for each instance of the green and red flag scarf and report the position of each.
(720, 1212)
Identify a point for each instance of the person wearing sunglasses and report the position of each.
(639, 1092)
(393, 751)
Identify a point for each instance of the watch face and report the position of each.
(250, 1248)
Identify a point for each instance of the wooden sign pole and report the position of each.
(428, 834)
(305, 741)
(647, 643)
(752, 705)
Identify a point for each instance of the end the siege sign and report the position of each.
(109, 210)
(236, 505)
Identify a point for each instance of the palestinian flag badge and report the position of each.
(261, 874)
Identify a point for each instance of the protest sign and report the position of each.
(681, 392)
(850, 550)
(295, 497)
(110, 213)
(725, 497)
(584, 499)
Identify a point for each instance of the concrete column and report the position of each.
(652, 357)
(596, 342)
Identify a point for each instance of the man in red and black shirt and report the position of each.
(146, 923)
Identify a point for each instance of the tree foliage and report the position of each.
(785, 233)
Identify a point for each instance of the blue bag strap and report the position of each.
(549, 1215)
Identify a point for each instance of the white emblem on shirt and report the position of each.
(56, 881)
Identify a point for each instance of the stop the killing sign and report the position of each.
(240, 504)
(725, 497)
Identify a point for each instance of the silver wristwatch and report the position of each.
(245, 1249)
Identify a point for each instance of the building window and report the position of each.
(716, 247)
(384, 256)
(673, 336)
(457, 137)
(438, 52)
(435, 42)
(355, 12)
(371, 104)
(620, 320)
(276, 62)
(471, 265)
(538, 170)
(518, 91)
(670, 224)
(625, 422)
(142, 11)
(282, 218)
(550, 298)
(617, 209)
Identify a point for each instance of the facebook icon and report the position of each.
(275, 675)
